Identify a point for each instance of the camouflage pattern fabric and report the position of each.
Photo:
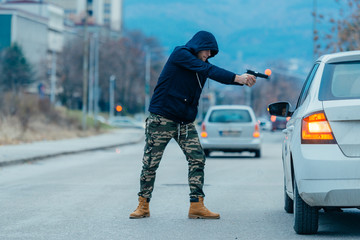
(159, 131)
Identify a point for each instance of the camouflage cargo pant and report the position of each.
(159, 131)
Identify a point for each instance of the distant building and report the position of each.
(36, 12)
(42, 28)
(38, 27)
(106, 13)
(28, 30)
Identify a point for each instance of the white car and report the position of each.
(321, 147)
(230, 128)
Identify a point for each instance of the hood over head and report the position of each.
(203, 40)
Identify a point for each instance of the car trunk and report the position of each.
(344, 120)
(230, 130)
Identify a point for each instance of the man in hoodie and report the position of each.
(173, 109)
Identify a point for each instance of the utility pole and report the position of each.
(53, 77)
(147, 78)
(85, 65)
(91, 77)
(248, 94)
(148, 50)
(96, 79)
(111, 96)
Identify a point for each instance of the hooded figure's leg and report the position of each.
(190, 145)
(159, 132)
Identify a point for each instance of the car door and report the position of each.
(295, 120)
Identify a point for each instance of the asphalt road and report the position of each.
(90, 196)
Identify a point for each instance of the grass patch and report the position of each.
(25, 118)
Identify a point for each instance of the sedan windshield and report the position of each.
(230, 115)
(340, 81)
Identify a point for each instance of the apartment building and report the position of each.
(106, 13)
(37, 27)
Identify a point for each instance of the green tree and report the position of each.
(343, 33)
(16, 71)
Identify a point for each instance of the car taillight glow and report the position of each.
(316, 130)
(256, 133)
(203, 133)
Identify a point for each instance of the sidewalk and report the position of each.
(15, 154)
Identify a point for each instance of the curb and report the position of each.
(42, 157)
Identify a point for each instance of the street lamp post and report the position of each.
(85, 67)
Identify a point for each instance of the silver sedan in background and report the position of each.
(230, 128)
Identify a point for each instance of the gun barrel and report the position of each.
(257, 74)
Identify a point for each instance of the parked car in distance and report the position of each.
(321, 147)
(125, 122)
(278, 122)
(230, 128)
(265, 124)
(101, 119)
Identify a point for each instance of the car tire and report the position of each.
(257, 153)
(306, 218)
(288, 202)
(207, 152)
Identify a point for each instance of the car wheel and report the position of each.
(257, 153)
(207, 152)
(289, 203)
(306, 218)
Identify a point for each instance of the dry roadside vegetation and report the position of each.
(26, 118)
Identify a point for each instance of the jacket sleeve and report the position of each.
(185, 59)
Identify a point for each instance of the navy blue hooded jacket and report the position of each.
(176, 95)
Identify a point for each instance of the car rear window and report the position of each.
(230, 116)
(340, 81)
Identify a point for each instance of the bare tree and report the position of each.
(70, 72)
(123, 58)
(281, 87)
(344, 31)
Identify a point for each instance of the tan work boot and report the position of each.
(142, 211)
(198, 210)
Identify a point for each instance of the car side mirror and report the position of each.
(281, 109)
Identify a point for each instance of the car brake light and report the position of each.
(256, 133)
(203, 133)
(316, 130)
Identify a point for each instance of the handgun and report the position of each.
(257, 74)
